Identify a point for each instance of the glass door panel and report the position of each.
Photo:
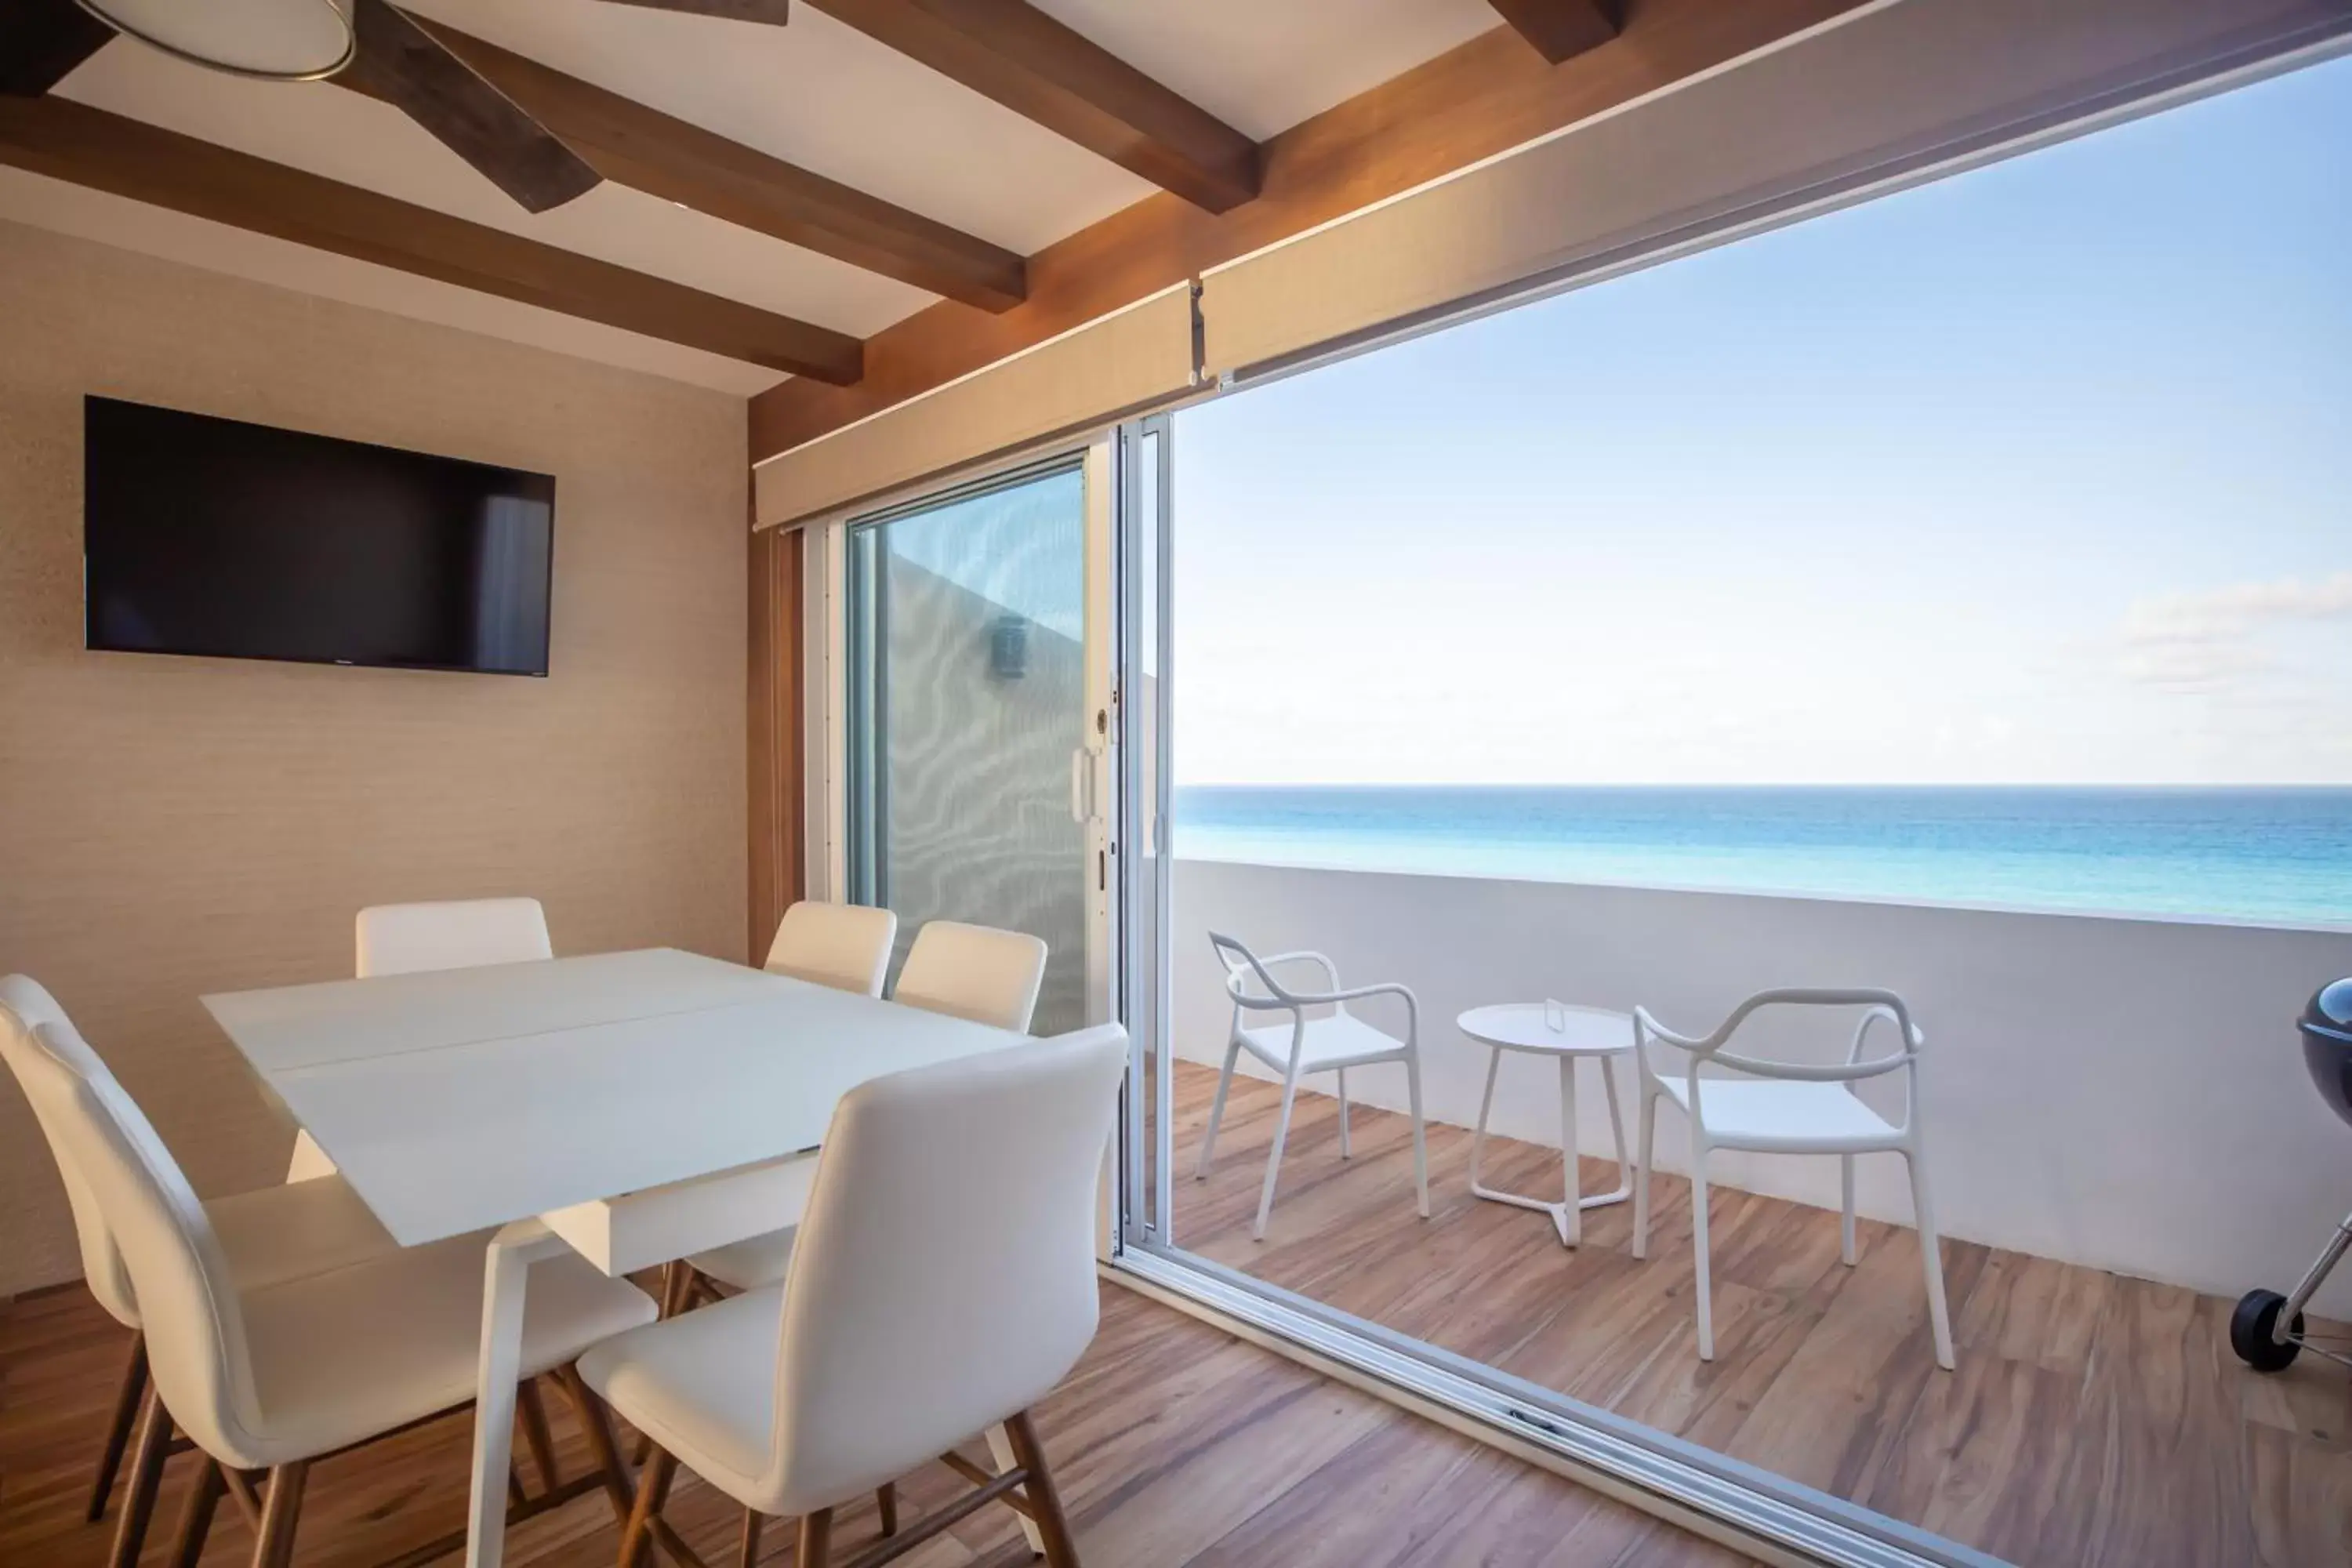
(971, 786)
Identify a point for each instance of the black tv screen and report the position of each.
(215, 537)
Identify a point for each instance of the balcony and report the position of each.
(2122, 1141)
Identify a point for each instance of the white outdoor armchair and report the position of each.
(1301, 1045)
(1789, 1108)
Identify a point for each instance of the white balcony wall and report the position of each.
(2127, 1094)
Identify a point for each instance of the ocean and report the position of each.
(2275, 856)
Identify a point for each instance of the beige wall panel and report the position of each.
(1887, 83)
(169, 826)
(1123, 362)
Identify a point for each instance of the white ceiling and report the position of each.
(1263, 66)
(815, 93)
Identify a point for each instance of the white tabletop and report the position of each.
(350, 1020)
(1521, 1027)
(459, 1100)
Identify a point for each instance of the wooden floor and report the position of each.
(2093, 1420)
(1172, 1442)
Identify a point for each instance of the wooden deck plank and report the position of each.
(2093, 1419)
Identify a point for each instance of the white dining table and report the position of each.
(633, 1107)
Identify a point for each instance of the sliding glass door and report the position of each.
(1567, 661)
(974, 729)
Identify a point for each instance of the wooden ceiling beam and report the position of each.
(1561, 29)
(72, 142)
(1044, 70)
(1482, 98)
(771, 12)
(634, 145)
(41, 42)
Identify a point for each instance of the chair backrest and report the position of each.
(24, 1006)
(193, 1321)
(409, 939)
(401, 939)
(944, 1278)
(846, 946)
(979, 972)
(1243, 967)
(1878, 1007)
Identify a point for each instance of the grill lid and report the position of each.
(2331, 1010)
(2328, 1044)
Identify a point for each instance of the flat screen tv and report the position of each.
(213, 537)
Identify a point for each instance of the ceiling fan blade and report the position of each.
(405, 65)
(771, 12)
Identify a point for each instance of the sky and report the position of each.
(2040, 473)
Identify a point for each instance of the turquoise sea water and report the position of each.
(2280, 856)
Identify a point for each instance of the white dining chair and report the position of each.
(1332, 1042)
(409, 939)
(845, 946)
(265, 1237)
(457, 933)
(274, 1377)
(944, 1282)
(1789, 1108)
(979, 972)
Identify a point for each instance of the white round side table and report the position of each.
(1591, 1032)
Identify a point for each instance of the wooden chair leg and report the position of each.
(816, 1540)
(242, 1493)
(133, 1388)
(1044, 1503)
(536, 1436)
(749, 1555)
(281, 1512)
(678, 1278)
(140, 1487)
(653, 1491)
(205, 1493)
(885, 1497)
(604, 1442)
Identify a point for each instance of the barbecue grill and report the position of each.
(2266, 1331)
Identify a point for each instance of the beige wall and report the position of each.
(169, 826)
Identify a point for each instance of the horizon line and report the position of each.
(2343, 785)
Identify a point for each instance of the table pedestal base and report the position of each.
(1568, 1213)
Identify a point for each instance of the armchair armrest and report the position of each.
(1840, 1072)
(1237, 981)
(1649, 1025)
(1321, 998)
(1331, 970)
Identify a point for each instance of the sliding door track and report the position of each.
(1709, 1494)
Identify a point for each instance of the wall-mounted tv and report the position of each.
(215, 537)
